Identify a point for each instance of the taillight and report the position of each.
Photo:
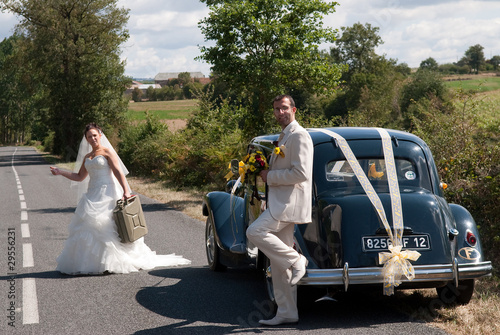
(471, 239)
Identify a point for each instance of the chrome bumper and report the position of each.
(373, 275)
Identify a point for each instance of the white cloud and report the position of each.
(165, 34)
(7, 23)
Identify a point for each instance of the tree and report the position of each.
(429, 64)
(371, 81)
(73, 47)
(495, 61)
(137, 94)
(424, 87)
(267, 47)
(356, 47)
(184, 78)
(475, 57)
(19, 93)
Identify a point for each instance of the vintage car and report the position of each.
(347, 235)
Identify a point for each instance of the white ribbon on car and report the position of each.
(396, 262)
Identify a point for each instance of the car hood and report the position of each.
(343, 219)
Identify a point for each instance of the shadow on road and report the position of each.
(234, 301)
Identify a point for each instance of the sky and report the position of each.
(164, 34)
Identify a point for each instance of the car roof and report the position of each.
(349, 133)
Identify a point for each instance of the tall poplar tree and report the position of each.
(74, 48)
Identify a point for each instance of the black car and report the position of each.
(347, 238)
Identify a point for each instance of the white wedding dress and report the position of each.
(93, 245)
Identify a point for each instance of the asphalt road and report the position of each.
(35, 210)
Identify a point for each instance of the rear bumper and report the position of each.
(373, 275)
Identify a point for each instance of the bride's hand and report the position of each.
(55, 171)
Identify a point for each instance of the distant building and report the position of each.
(163, 78)
(141, 86)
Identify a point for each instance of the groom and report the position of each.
(289, 181)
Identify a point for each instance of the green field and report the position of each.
(164, 110)
(475, 82)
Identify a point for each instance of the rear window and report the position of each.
(340, 174)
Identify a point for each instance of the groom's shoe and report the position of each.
(277, 320)
(298, 270)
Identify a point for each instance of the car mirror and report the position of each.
(235, 167)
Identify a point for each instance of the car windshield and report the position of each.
(340, 174)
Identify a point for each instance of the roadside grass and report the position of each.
(187, 201)
(480, 316)
(163, 110)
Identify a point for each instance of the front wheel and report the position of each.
(462, 294)
(211, 247)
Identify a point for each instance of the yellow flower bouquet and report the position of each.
(248, 170)
(250, 166)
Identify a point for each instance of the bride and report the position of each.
(93, 245)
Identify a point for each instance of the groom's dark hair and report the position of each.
(283, 96)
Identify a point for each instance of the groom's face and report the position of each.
(284, 112)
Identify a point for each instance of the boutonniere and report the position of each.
(279, 150)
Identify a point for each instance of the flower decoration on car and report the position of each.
(250, 166)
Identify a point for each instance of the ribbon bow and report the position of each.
(396, 264)
(242, 169)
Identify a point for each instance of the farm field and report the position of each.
(479, 83)
(163, 110)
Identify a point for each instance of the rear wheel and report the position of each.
(462, 294)
(211, 247)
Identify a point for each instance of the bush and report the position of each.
(425, 86)
(144, 147)
(468, 162)
(204, 149)
(48, 142)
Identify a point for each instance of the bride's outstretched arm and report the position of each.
(81, 175)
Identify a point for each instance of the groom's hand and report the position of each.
(263, 175)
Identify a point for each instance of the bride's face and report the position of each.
(93, 137)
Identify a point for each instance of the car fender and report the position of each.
(228, 214)
(465, 222)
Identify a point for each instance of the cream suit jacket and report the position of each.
(290, 178)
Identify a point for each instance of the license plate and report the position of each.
(381, 243)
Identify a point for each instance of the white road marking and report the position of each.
(25, 230)
(30, 302)
(28, 260)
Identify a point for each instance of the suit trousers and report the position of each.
(275, 239)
